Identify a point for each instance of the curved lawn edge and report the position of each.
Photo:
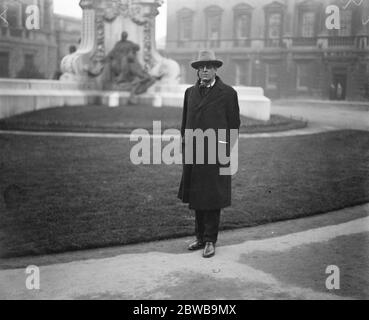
(74, 194)
(124, 120)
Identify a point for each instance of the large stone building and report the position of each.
(28, 53)
(283, 46)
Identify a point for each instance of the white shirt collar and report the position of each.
(211, 84)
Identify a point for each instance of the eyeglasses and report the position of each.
(207, 67)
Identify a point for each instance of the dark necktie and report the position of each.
(204, 90)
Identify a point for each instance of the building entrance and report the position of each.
(338, 87)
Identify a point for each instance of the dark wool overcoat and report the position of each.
(202, 187)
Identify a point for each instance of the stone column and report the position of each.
(77, 67)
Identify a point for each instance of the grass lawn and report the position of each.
(124, 120)
(61, 194)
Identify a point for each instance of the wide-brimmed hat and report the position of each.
(206, 57)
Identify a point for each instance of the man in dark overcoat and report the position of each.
(209, 104)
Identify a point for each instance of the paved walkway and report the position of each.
(278, 261)
(326, 114)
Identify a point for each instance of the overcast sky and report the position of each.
(72, 8)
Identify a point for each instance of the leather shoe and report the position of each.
(197, 245)
(209, 250)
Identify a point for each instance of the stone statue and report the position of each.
(126, 71)
(167, 71)
(92, 68)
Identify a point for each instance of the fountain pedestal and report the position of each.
(102, 24)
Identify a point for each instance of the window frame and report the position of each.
(301, 24)
(269, 85)
(239, 11)
(210, 13)
(238, 72)
(183, 15)
(300, 87)
(29, 60)
(310, 6)
(274, 8)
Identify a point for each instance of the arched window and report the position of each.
(274, 16)
(185, 26)
(309, 12)
(213, 19)
(242, 24)
(274, 25)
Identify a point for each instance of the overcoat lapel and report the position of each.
(214, 92)
(195, 97)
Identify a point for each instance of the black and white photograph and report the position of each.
(184, 155)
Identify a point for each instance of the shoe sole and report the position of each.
(209, 256)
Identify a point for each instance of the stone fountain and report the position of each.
(103, 22)
(87, 76)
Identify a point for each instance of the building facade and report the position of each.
(32, 53)
(283, 46)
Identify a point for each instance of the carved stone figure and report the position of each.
(125, 69)
(129, 66)
(167, 71)
(120, 58)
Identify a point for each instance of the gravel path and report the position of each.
(285, 266)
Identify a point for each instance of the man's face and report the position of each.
(207, 73)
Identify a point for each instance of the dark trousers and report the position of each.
(207, 225)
